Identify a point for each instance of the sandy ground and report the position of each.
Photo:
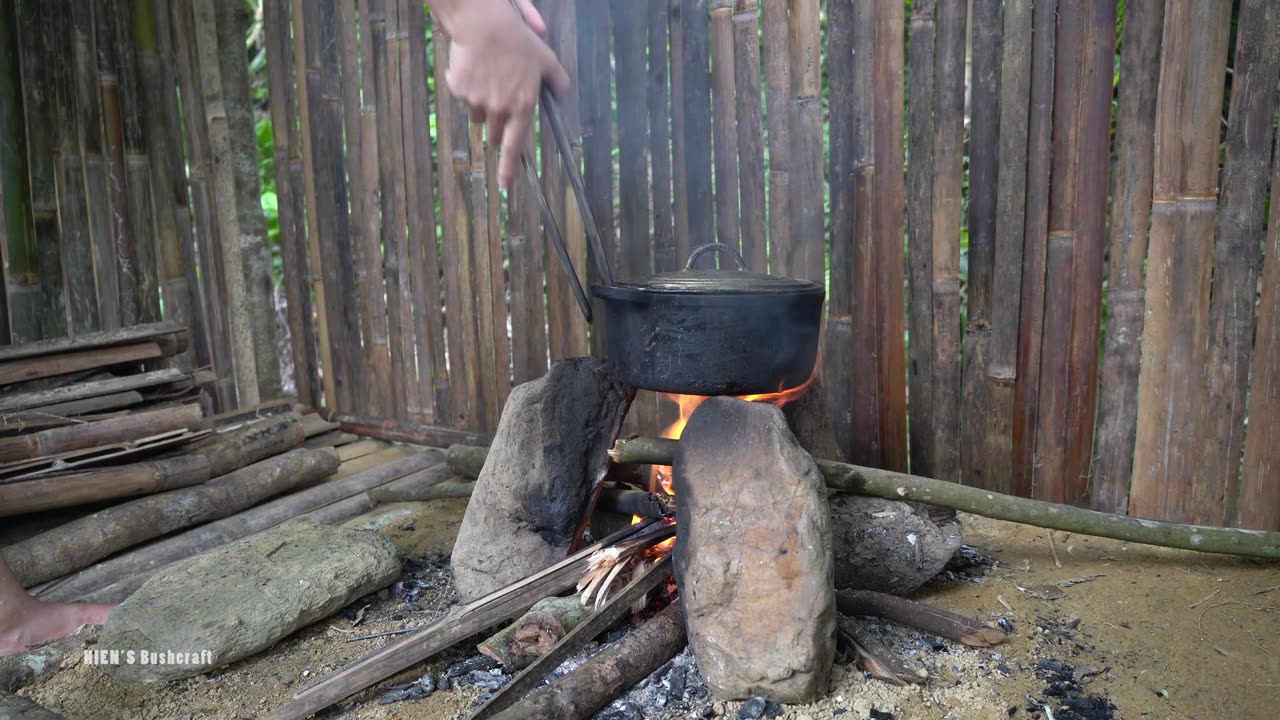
(1153, 634)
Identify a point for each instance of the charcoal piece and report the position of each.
(752, 709)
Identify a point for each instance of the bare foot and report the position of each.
(39, 622)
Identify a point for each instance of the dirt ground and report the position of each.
(1150, 633)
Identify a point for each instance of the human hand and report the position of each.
(497, 64)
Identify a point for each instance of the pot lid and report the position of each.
(712, 280)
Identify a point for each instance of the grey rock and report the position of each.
(753, 556)
(887, 545)
(244, 597)
(551, 446)
(13, 707)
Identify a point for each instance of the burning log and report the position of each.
(536, 632)
(581, 693)
(77, 544)
(901, 486)
(922, 617)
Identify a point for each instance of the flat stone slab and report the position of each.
(551, 448)
(753, 554)
(242, 598)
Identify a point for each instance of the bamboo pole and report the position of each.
(16, 371)
(1240, 226)
(93, 388)
(204, 216)
(382, 27)
(487, 313)
(80, 436)
(1050, 437)
(808, 251)
(360, 113)
(986, 35)
(596, 93)
(172, 127)
(724, 128)
(750, 121)
(777, 85)
(171, 339)
(697, 113)
(287, 157)
(630, 36)
(1035, 231)
(665, 256)
(913, 488)
(1006, 286)
(22, 281)
(920, 239)
(528, 311)
(888, 227)
(679, 166)
(1089, 256)
(1131, 210)
(421, 196)
(498, 287)
(1259, 500)
(948, 148)
(1175, 331)
(174, 291)
(239, 319)
(110, 483)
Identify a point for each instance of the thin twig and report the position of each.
(1215, 592)
(1053, 549)
(384, 633)
(1000, 599)
(1264, 591)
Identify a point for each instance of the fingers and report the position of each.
(494, 128)
(531, 16)
(513, 139)
(555, 75)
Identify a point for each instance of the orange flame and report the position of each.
(660, 476)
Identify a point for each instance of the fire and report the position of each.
(660, 476)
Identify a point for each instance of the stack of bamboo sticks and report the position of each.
(97, 436)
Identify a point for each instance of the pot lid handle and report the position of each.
(715, 247)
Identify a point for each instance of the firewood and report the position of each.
(443, 634)
(901, 486)
(250, 443)
(917, 615)
(415, 486)
(81, 391)
(171, 337)
(66, 363)
(103, 432)
(536, 632)
(90, 583)
(141, 478)
(409, 432)
(78, 544)
(581, 693)
(467, 460)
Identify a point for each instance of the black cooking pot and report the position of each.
(712, 332)
(693, 332)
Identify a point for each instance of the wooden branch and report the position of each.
(409, 432)
(443, 634)
(142, 478)
(81, 391)
(901, 486)
(536, 632)
(79, 543)
(613, 611)
(913, 614)
(153, 557)
(233, 449)
(599, 680)
(124, 428)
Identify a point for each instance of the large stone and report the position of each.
(244, 597)
(551, 446)
(753, 554)
(887, 545)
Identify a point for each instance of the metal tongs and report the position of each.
(552, 109)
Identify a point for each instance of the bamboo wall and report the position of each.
(129, 178)
(1076, 315)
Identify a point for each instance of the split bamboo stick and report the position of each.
(483, 279)
(807, 258)
(1006, 286)
(920, 240)
(1034, 234)
(750, 121)
(888, 221)
(986, 35)
(1175, 331)
(665, 256)
(22, 277)
(948, 158)
(16, 371)
(724, 128)
(695, 56)
(1240, 236)
(596, 94)
(679, 165)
